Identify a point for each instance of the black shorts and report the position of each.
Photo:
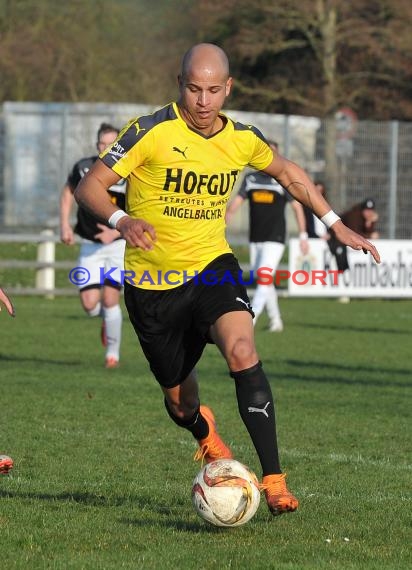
(173, 325)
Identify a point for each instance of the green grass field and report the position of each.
(102, 478)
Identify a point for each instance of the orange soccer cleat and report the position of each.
(212, 446)
(278, 498)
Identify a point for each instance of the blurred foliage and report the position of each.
(307, 57)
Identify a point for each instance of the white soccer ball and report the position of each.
(226, 493)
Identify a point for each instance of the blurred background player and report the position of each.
(267, 233)
(101, 249)
(361, 218)
(6, 462)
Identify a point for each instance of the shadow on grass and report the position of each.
(176, 524)
(346, 367)
(35, 359)
(147, 505)
(335, 369)
(352, 328)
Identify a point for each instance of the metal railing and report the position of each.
(45, 264)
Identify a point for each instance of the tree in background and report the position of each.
(306, 57)
(94, 51)
(312, 57)
(302, 57)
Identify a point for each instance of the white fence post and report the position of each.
(45, 276)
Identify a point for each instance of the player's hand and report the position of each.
(354, 240)
(67, 235)
(7, 303)
(137, 232)
(106, 235)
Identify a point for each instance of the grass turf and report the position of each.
(102, 478)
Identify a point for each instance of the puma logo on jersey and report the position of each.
(263, 411)
(242, 301)
(183, 152)
(138, 128)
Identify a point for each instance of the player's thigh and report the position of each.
(111, 294)
(270, 254)
(233, 335)
(255, 252)
(111, 259)
(114, 256)
(91, 259)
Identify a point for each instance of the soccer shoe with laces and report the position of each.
(278, 498)
(6, 464)
(212, 446)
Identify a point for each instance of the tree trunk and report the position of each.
(327, 20)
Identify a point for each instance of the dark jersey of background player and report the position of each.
(267, 203)
(362, 218)
(86, 224)
(310, 223)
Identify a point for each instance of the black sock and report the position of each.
(196, 424)
(257, 410)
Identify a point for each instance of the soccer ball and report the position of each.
(226, 493)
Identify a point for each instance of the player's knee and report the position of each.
(93, 310)
(241, 355)
(181, 409)
(90, 300)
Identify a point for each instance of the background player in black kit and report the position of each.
(102, 248)
(267, 233)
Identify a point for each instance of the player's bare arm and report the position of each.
(91, 193)
(233, 208)
(66, 202)
(300, 186)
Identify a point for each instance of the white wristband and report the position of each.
(330, 218)
(303, 235)
(115, 217)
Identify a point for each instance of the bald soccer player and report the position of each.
(183, 285)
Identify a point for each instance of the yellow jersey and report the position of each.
(180, 182)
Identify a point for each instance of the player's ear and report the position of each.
(228, 86)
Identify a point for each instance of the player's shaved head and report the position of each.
(204, 84)
(208, 58)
